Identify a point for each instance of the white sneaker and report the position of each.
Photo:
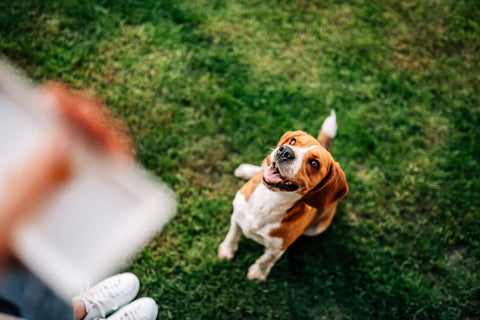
(109, 295)
(140, 309)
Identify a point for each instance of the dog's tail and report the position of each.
(328, 131)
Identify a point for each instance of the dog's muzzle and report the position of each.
(285, 153)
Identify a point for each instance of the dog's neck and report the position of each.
(272, 203)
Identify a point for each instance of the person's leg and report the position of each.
(23, 295)
(7, 307)
(79, 309)
(106, 296)
(30, 298)
(143, 308)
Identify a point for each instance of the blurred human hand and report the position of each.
(49, 165)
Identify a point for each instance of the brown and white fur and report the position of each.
(295, 192)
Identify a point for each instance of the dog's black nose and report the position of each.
(285, 153)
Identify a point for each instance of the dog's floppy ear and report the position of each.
(332, 188)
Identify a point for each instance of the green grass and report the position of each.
(204, 86)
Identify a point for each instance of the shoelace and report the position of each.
(138, 316)
(99, 299)
(107, 304)
(133, 315)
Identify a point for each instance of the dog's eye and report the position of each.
(315, 165)
(292, 142)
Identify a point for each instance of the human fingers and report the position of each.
(92, 118)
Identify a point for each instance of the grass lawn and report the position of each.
(204, 86)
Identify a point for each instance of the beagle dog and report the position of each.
(295, 192)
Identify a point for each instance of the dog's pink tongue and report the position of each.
(272, 175)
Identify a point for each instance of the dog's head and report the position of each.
(300, 164)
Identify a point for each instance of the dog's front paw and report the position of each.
(246, 171)
(256, 273)
(226, 251)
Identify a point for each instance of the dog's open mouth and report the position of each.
(273, 178)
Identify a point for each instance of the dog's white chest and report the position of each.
(263, 212)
